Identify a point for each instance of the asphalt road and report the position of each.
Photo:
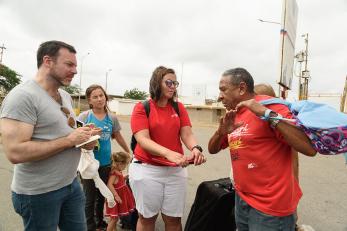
(323, 180)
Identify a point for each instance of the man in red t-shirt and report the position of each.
(267, 193)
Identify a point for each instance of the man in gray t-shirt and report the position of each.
(39, 137)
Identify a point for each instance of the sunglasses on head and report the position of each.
(70, 120)
(170, 82)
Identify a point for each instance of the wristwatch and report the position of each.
(197, 147)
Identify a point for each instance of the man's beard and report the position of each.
(55, 76)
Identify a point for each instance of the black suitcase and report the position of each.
(213, 207)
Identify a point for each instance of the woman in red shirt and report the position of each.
(156, 174)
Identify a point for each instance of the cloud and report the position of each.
(201, 38)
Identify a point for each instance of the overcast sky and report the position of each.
(202, 38)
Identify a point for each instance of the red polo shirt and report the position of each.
(164, 127)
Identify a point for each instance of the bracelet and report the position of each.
(275, 120)
(266, 115)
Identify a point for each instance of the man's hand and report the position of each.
(226, 126)
(257, 108)
(79, 135)
(227, 123)
(90, 146)
(96, 131)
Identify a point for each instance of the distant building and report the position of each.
(84, 103)
(208, 114)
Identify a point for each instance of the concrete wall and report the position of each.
(205, 114)
(122, 106)
(119, 106)
(197, 114)
(83, 102)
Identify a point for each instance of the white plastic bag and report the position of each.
(88, 168)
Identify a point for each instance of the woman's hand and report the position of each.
(196, 157)
(177, 158)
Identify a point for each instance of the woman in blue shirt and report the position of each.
(101, 117)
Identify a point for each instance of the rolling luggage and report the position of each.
(213, 207)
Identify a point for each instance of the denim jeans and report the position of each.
(94, 199)
(250, 219)
(63, 208)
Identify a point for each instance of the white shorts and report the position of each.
(158, 189)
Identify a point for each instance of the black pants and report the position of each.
(94, 200)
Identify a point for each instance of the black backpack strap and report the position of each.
(146, 106)
(175, 106)
(133, 141)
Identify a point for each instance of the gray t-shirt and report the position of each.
(31, 104)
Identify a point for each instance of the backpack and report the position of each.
(145, 104)
(324, 126)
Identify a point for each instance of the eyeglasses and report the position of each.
(70, 120)
(170, 82)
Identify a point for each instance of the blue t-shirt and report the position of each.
(108, 125)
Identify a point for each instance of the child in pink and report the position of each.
(121, 192)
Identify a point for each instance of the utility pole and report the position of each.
(181, 82)
(79, 93)
(108, 71)
(2, 52)
(343, 98)
(304, 75)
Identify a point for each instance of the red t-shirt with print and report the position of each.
(262, 163)
(164, 127)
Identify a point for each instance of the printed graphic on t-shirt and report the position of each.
(235, 138)
(106, 132)
(235, 141)
(235, 144)
(234, 155)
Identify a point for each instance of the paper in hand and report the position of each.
(91, 139)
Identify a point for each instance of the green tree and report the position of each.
(135, 94)
(72, 89)
(8, 78)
